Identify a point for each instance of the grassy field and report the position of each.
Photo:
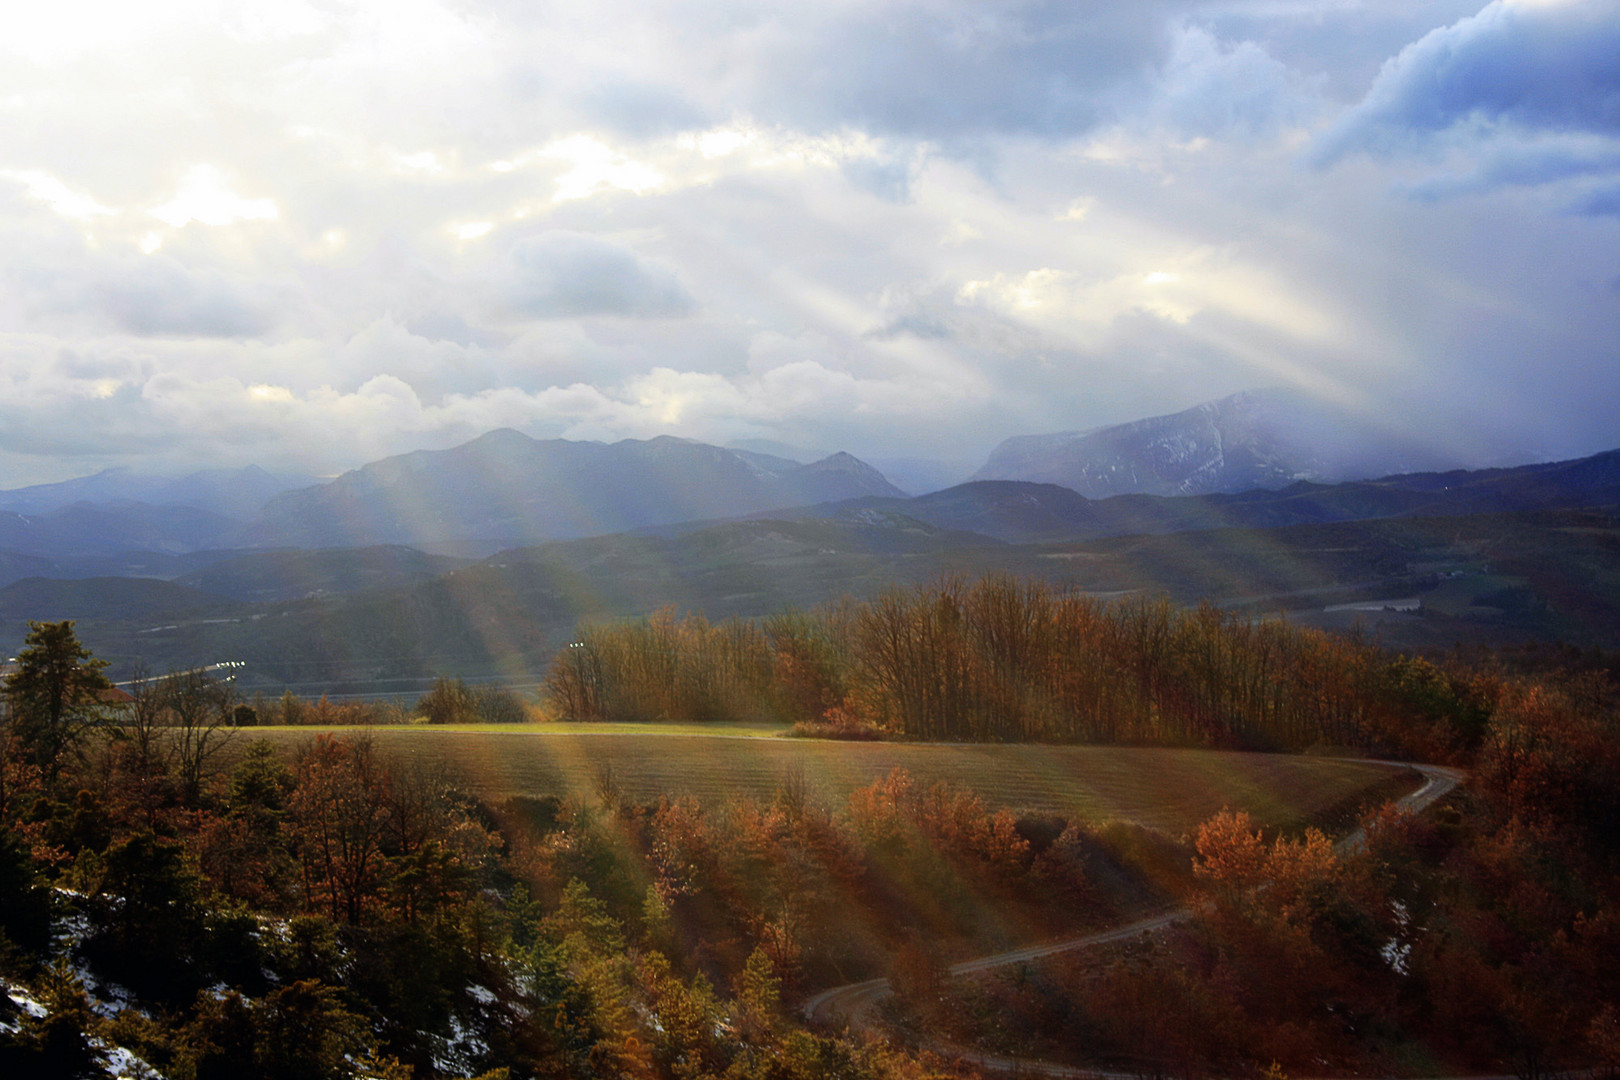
(1172, 790)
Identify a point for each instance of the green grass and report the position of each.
(1172, 790)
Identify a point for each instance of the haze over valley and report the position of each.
(485, 559)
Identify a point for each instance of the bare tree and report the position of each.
(198, 710)
(143, 719)
(145, 747)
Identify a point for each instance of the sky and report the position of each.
(307, 234)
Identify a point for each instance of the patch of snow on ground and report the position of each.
(116, 1061)
(26, 1002)
(459, 1054)
(107, 999)
(122, 1064)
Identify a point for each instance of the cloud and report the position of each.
(147, 296)
(1212, 88)
(562, 274)
(939, 70)
(641, 109)
(1535, 66)
(1525, 161)
(1599, 202)
(1069, 306)
(158, 295)
(205, 197)
(953, 69)
(64, 200)
(892, 226)
(887, 177)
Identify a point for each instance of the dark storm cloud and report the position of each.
(1546, 67)
(567, 274)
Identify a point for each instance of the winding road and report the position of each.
(852, 1004)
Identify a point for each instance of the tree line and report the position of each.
(1002, 659)
(449, 700)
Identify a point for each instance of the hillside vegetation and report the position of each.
(1001, 659)
(433, 903)
(1554, 577)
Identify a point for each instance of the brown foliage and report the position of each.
(1002, 659)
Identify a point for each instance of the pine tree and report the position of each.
(54, 694)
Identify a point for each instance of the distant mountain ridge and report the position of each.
(395, 614)
(1256, 439)
(1022, 511)
(232, 493)
(507, 488)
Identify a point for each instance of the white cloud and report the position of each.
(900, 226)
(1212, 88)
(1072, 305)
(64, 200)
(206, 198)
(591, 165)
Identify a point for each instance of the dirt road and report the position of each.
(853, 1003)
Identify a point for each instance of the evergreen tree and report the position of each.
(55, 692)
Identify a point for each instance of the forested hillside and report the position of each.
(1001, 659)
(337, 911)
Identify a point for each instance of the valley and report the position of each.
(349, 622)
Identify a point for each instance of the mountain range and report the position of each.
(495, 492)
(1256, 439)
(92, 530)
(387, 618)
(1023, 512)
(505, 488)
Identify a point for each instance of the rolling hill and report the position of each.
(267, 576)
(104, 529)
